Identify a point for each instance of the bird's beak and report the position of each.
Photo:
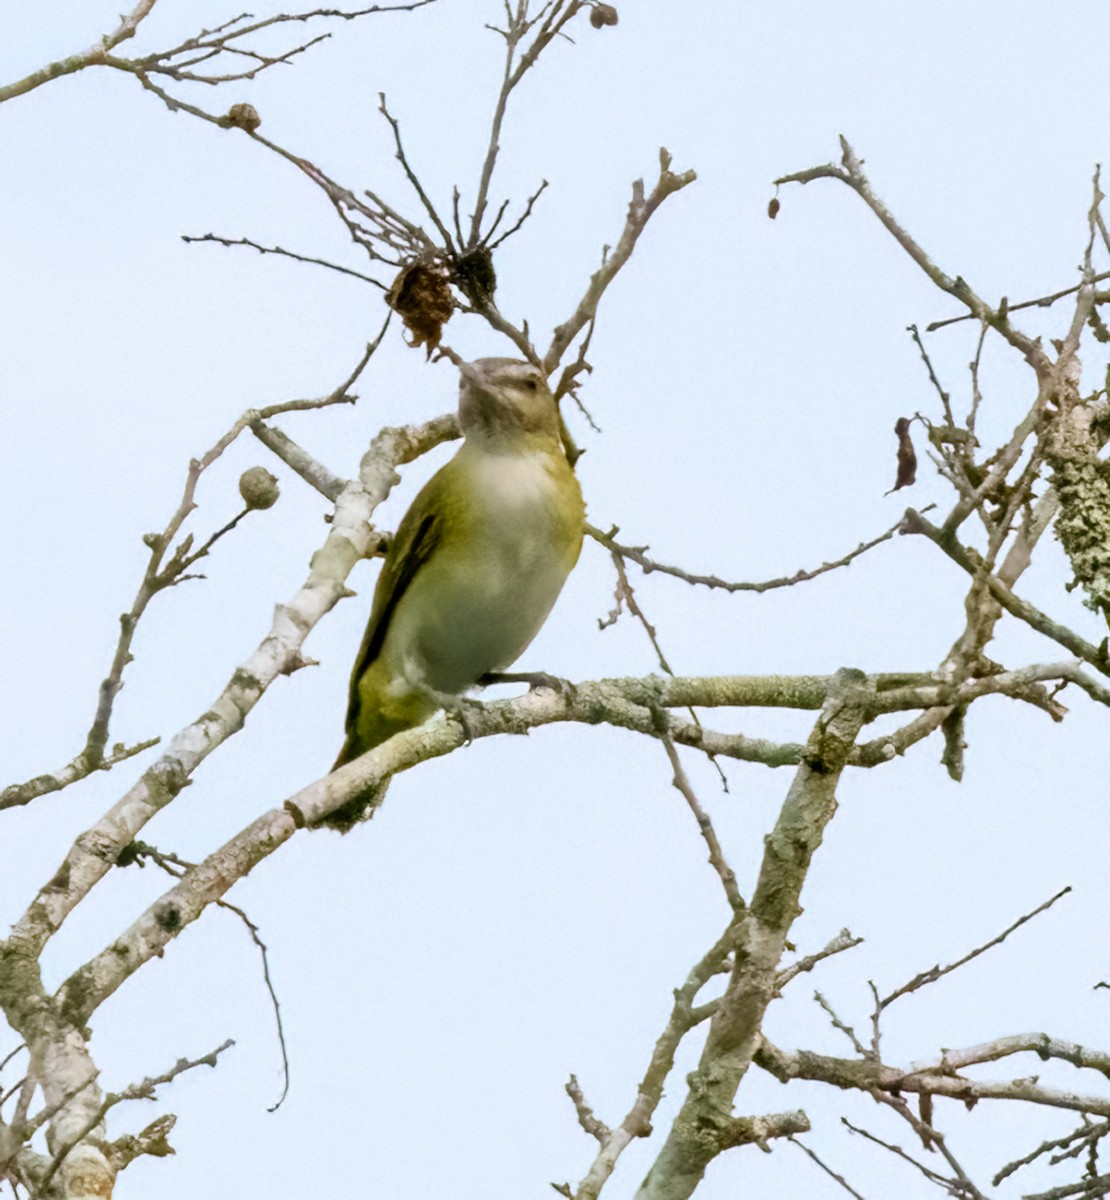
(472, 373)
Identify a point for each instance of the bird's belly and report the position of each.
(485, 619)
(490, 583)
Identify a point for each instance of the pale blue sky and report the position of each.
(521, 909)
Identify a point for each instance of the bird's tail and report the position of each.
(370, 728)
(362, 805)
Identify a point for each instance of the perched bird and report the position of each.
(476, 564)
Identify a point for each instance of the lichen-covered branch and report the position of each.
(682, 1018)
(969, 559)
(702, 1128)
(95, 851)
(93, 56)
(942, 1077)
(163, 571)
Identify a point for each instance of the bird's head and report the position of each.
(505, 399)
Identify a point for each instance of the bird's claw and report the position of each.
(455, 706)
(534, 679)
(458, 710)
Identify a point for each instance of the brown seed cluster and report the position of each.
(422, 298)
(243, 116)
(602, 15)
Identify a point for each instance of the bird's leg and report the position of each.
(534, 680)
(454, 705)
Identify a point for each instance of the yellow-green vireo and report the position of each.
(476, 564)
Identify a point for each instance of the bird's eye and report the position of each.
(531, 384)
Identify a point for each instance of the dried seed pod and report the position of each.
(603, 14)
(907, 456)
(773, 207)
(243, 116)
(475, 276)
(258, 488)
(421, 297)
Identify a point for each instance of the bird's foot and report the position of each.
(462, 708)
(534, 680)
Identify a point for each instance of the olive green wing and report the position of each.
(416, 538)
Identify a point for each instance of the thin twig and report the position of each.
(969, 559)
(827, 1169)
(1073, 1144)
(705, 825)
(144, 1090)
(640, 211)
(837, 1023)
(1039, 302)
(429, 207)
(938, 972)
(944, 398)
(176, 868)
(843, 941)
(304, 258)
(931, 1175)
(638, 555)
(850, 171)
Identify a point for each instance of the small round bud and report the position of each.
(243, 116)
(603, 14)
(258, 488)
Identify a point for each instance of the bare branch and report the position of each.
(744, 1131)
(843, 941)
(640, 211)
(1073, 1144)
(161, 573)
(683, 1017)
(626, 595)
(970, 561)
(176, 867)
(827, 1169)
(429, 208)
(79, 768)
(144, 1090)
(320, 262)
(734, 1037)
(931, 1175)
(705, 825)
(938, 972)
(1086, 1189)
(932, 1139)
(889, 746)
(594, 1127)
(638, 555)
(205, 46)
(839, 1025)
(94, 852)
(518, 224)
(940, 1078)
(76, 62)
(1040, 302)
(551, 20)
(850, 171)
